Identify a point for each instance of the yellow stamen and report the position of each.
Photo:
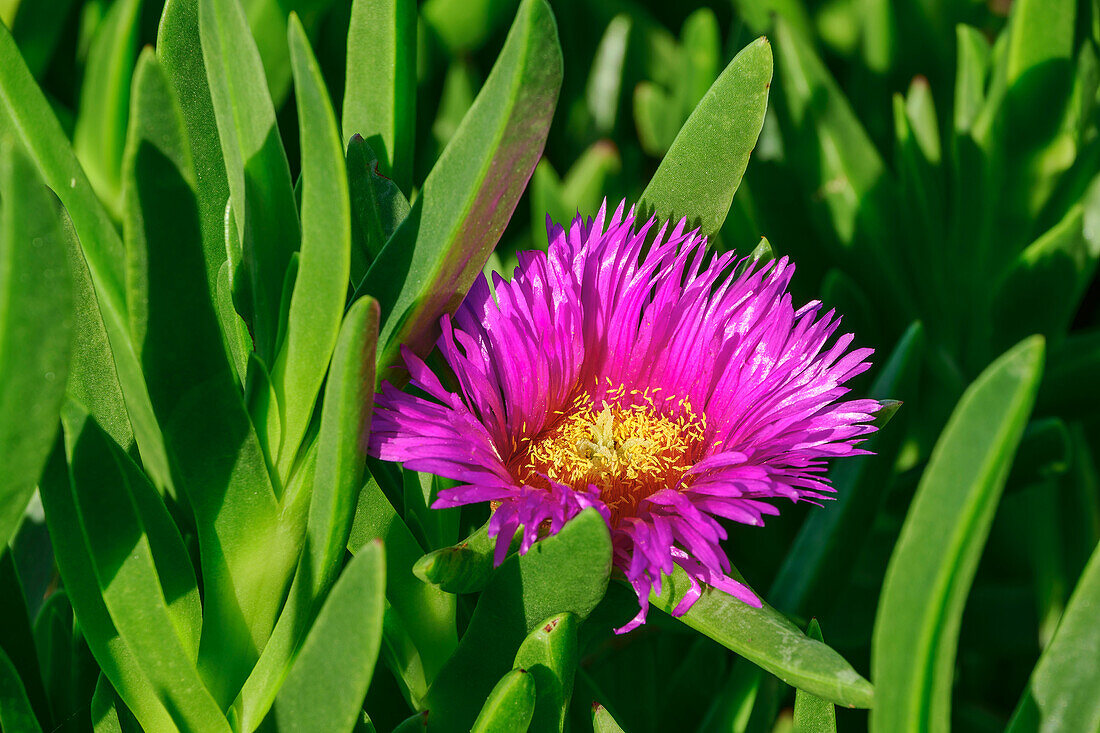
(628, 449)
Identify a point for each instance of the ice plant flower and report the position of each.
(665, 388)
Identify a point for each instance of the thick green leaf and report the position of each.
(1041, 31)
(510, 705)
(917, 624)
(812, 714)
(825, 550)
(565, 572)
(141, 565)
(426, 614)
(1064, 690)
(25, 113)
(259, 176)
(325, 686)
(769, 639)
(377, 207)
(53, 639)
(179, 49)
(464, 568)
(93, 378)
(113, 653)
(16, 714)
(468, 198)
(345, 422)
(321, 286)
(100, 133)
(173, 322)
(602, 722)
(380, 86)
(701, 172)
(36, 321)
(549, 655)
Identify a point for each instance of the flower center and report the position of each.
(628, 448)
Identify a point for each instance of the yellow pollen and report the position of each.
(627, 449)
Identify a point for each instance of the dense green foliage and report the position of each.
(220, 220)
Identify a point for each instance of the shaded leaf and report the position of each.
(179, 49)
(259, 176)
(380, 86)
(15, 710)
(341, 454)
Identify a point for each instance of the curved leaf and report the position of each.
(25, 113)
(1064, 690)
(923, 594)
(15, 710)
(812, 714)
(36, 321)
(217, 455)
(325, 687)
(321, 287)
(768, 638)
(259, 175)
(179, 49)
(156, 616)
(549, 655)
(341, 453)
(509, 706)
(701, 171)
(468, 198)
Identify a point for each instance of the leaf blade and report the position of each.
(35, 331)
(701, 171)
(935, 558)
(463, 207)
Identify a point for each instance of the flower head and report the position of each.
(666, 388)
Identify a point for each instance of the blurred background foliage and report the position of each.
(930, 166)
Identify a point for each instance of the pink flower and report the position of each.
(665, 388)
